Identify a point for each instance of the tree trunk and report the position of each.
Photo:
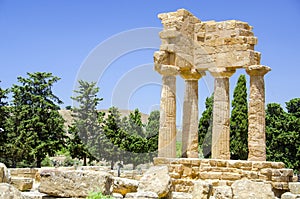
(112, 165)
(84, 160)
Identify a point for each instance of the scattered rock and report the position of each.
(74, 183)
(202, 190)
(142, 195)
(223, 192)
(294, 187)
(242, 189)
(22, 184)
(4, 174)
(117, 195)
(157, 180)
(8, 191)
(33, 195)
(181, 195)
(124, 185)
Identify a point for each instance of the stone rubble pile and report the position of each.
(157, 182)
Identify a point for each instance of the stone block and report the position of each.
(231, 176)
(250, 189)
(223, 192)
(22, 184)
(156, 179)
(294, 187)
(8, 191)
(280, 185)
(4, 174)
(142, 195)
(210, 175)
(33, 195)
(23, 172)
(124, 186)
(201, 190)
(75, 183)
(288, 195)
(181, 195)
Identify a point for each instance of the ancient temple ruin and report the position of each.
(189, 49)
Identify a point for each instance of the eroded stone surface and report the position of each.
(8, 191)
(249, 189)
(124, 186)
(156, 180)
(74, 183)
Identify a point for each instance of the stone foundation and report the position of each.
(185, 171)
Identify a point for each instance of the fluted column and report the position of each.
(256, 113)
(221, 114)
(167, 127)
(190, 114)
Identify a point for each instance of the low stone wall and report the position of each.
(185, 171)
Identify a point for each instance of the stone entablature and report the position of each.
(189, 48)
(185, 171)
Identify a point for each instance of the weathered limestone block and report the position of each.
(74, 183)
(181, 195)
(183, 185)
(294, 187)
(117, 195)
(124, 186)
(202, 190)
(248, 189)
(4, 174)
(156, 180)
(23, 172)
(34, 195)
(22, 184)
(289, 195)
(223, 192)
(142, 195)
(8, 191)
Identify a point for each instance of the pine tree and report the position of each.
(239, 121)
(282, 135)
(86, 127)
(205, 128)
(3, 122)
(152, 130)
(35, 125)
(114, 136)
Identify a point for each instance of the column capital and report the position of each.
(221, 72)
(168, 70)
(257, 70)
(192, 74)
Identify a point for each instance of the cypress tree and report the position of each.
(205, 128)
(239, 121)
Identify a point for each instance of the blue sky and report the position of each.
(112, 42)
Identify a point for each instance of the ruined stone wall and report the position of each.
(185, 171)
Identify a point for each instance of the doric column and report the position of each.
(221, 114)
(256, 113)
(190, 114)
(164, 64)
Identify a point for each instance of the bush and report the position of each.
(98, 195)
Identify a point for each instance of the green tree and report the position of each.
(293, 107)
(152, 130)
(239, 121)
(282, 136)
(3, 122)
(85, 128)
(205, 128)
(35, 125)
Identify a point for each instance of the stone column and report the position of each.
(167, 128)
(256, 113)
(190, 114)
(221, 114)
